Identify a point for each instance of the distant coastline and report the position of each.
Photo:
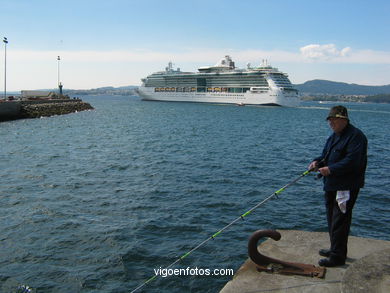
(382, 98)
(324, 90)
(109, 90)
(313, 90)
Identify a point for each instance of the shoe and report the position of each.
(324, 252)
(331, 262)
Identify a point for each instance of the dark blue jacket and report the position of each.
(346, 157)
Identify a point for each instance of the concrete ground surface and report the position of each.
(367, 268)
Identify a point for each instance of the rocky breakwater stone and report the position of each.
(36, 109)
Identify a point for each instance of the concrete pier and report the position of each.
(366, 270)
(9, 110)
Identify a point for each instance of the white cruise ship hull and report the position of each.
(271, 97)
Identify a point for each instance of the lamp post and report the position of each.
(58, 78)
(58, 70)
(5, 67)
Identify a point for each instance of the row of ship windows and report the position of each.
(202, 89)
(283, 83)
(226, 82)
(253, 79)
(206, 84)
(212, 85)
(195, 80)
(280, 78)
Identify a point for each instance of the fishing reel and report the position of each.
(320, 165)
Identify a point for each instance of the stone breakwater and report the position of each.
(33, 109)
(41, 108)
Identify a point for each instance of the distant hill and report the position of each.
(108, 90)
(327, 87)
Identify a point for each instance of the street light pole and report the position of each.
(5, 67)
(59, 83)
(58, 70)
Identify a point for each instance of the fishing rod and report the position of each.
(241, 217)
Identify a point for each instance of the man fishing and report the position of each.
(342, 165)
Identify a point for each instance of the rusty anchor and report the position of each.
(272, 265)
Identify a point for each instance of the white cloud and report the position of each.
(323, 52)
(328, 53)
(345, 51)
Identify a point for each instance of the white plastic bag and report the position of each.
(342, 197)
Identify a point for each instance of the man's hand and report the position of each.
(324, 171)
(313, 166)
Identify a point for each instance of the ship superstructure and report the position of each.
(221, 83)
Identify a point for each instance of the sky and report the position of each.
(118, 42)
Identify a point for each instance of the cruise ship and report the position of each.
(222, 83)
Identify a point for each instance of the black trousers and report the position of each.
(339, 223)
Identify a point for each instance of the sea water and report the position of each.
(97, 201)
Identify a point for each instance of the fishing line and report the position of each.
(241, 217)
